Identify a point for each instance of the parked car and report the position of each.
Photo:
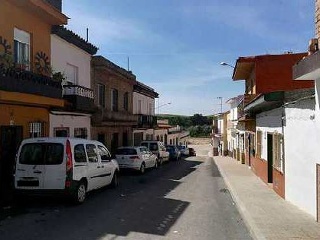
(157, 148)
(71, 166)
(192, 152)
(184, 150)
(174, 153)
(137, 158)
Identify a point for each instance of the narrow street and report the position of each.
(187, 199)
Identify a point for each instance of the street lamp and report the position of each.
(162, 105)
(227, 64)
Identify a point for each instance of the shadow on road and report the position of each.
(138, 205)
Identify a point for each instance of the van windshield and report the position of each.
(41, 154)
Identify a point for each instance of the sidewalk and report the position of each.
(266, 214)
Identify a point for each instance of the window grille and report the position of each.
(36, 129)
(81, 133)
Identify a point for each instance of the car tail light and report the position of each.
(68, 164)
(134, 157)
(69, 156)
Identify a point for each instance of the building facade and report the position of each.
(144, 108)
(28, 93)
(113, 122)
(306, 69)
(71, 60)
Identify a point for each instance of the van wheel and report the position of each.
(115, 180)
(80, 193)
(142, 168)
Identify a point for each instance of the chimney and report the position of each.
(56, 3)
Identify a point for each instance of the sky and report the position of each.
(176, 46)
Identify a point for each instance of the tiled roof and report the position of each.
(74, 39)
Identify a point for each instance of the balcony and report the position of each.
(109, 117)
(22, 81)
(146, 121)
(80, 98)
(246, 100)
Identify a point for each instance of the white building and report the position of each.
(287, 143)
(144, 107)
(235, 136)
(71, 61)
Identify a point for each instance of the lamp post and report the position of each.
(162, 105)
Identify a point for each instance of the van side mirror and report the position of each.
(105, 158)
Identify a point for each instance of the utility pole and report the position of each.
(220, 103)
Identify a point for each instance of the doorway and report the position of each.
(270, 158)
(318, 192)
(11, 137)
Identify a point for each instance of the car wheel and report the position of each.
(115, 180)
(142, 168)
(80, 193)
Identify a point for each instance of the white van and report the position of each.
(72, 166)
(157, 148)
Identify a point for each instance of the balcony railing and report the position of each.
(146, 121)
(109, 116)
(18, 80)
(81, 98)
(246, 100)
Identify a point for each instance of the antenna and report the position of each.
(128, 63)
(87, 34)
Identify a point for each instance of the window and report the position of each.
(259, 147)
(72, 74)
(61, 132)
(79, 153)
(150, 109)
(104, 154)
(139, 106)
(36, 129)
(126, 101)
(81, 133)
(114, 100)
(92, 153)
(41, 154)
(22, 48)
(101, 95)
(126, 151)
(278, 149)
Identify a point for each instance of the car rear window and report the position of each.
(153, 146)
(126, 151)
(41, 154)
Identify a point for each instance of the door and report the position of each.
(94, 167)
(55, 167)
(114, 143)
(30, 168)
(270, 158)
(318, 192)
(107, 166)
(11, 137)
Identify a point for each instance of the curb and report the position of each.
(249, 222)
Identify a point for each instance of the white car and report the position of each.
(137, 158)
(157, 148)
(71, 166)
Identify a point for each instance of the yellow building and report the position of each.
(27, 92)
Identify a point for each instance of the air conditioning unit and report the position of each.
(313, 45)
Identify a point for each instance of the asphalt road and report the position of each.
(187, 199)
